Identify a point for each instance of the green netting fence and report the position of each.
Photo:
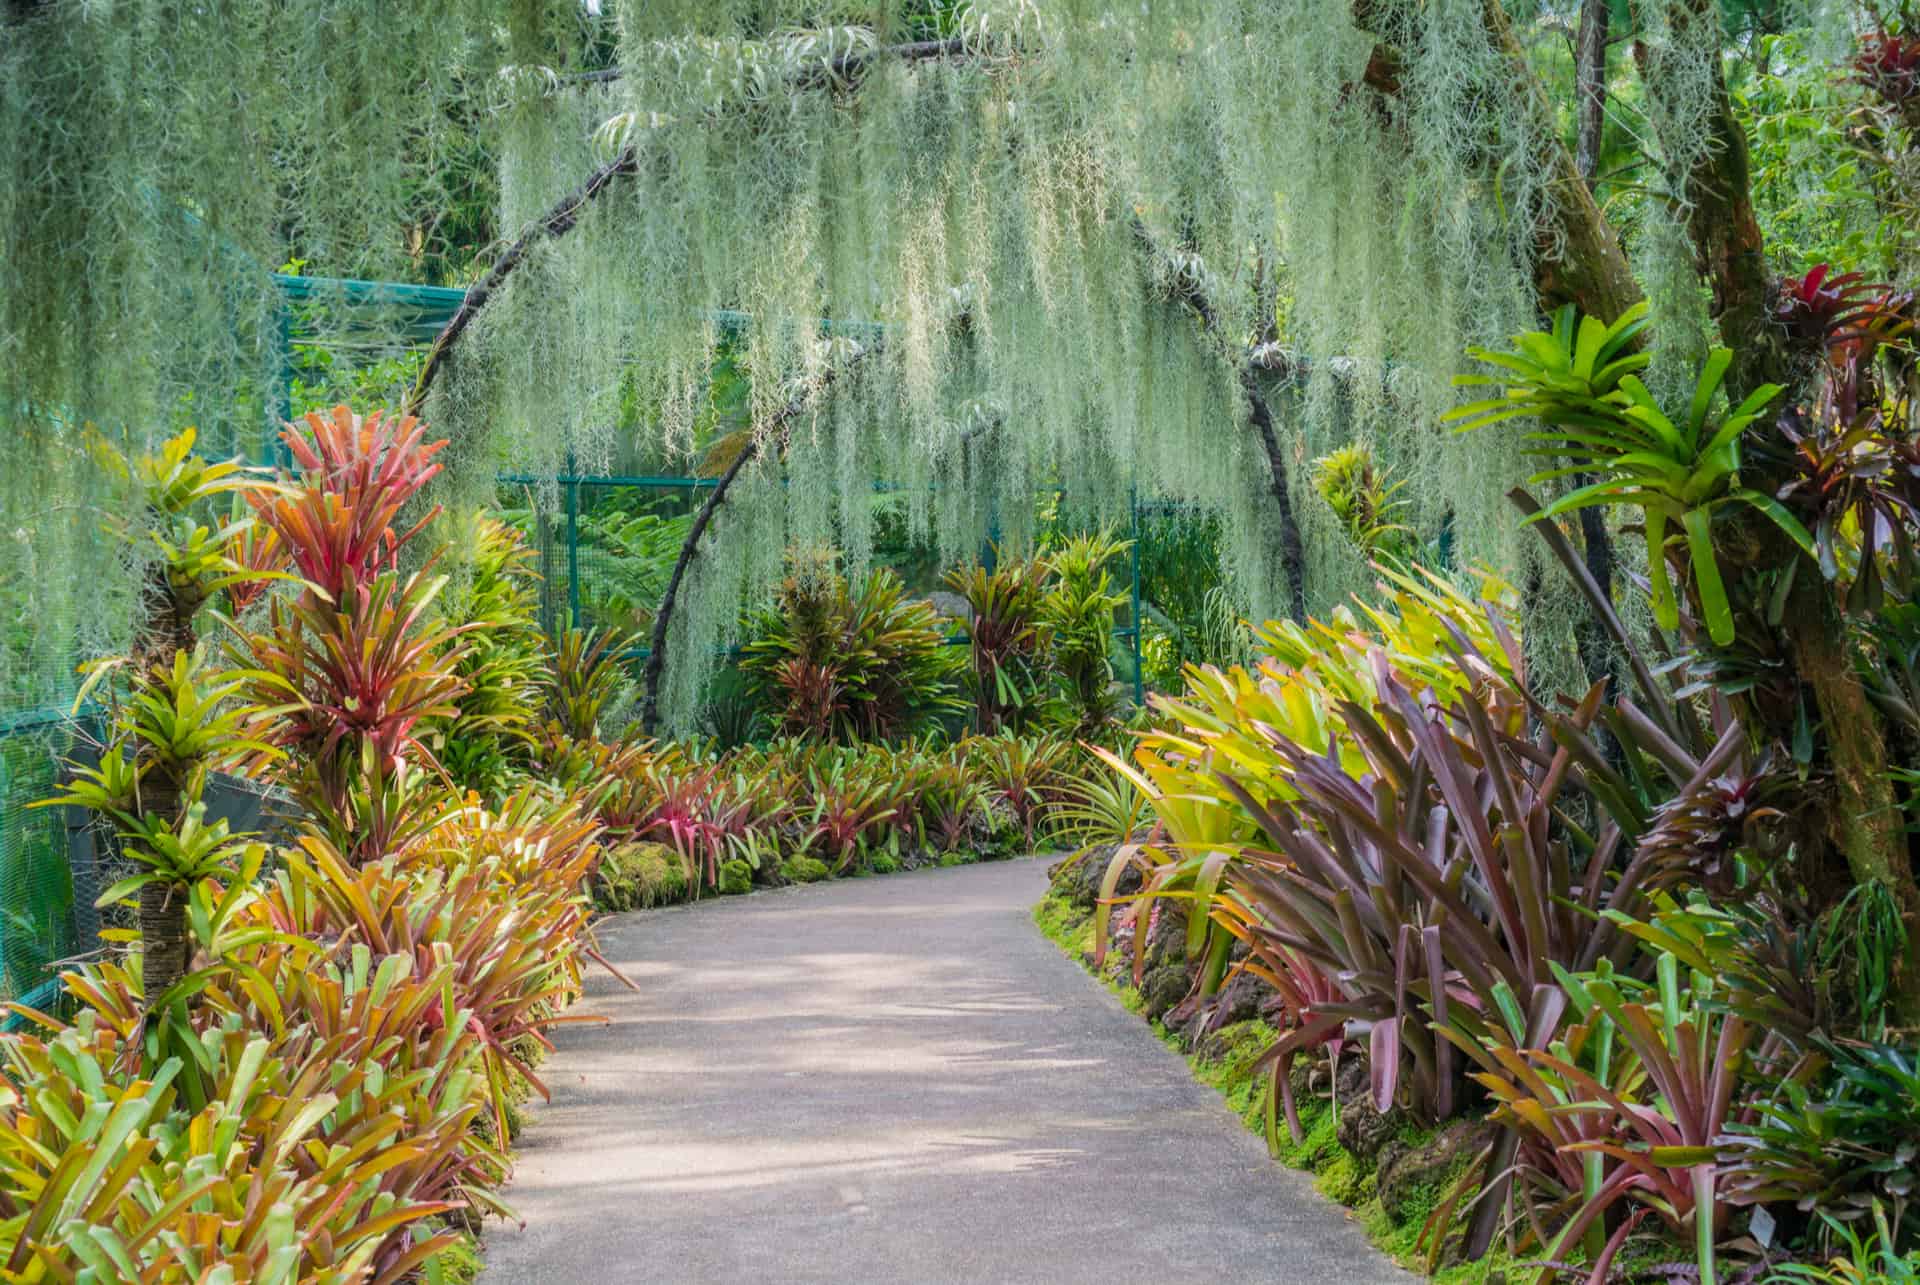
(42, 920)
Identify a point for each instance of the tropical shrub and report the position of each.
(1007, 641)
(305, 1070)
(837, 663)
(132, 1180)
(489, 739)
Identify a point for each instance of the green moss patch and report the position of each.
(804, 870)
(736, 877)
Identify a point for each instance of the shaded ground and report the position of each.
(893, 1079)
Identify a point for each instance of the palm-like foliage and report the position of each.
(192, 553)
(1597, 416)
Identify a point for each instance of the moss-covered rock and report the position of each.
(634, 876)
(804, 869)
(1364, 1129)
(1162, 987)
(883, 863)
(957, 858)
(1414, 1172)
(736, 877)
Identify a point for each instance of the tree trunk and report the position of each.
(1865, 823)
(163, 938)
(1590, 88)
(1581, 261)
(1723, 227)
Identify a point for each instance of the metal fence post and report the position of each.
(1139, 678)
(573, 542)
(273, 451)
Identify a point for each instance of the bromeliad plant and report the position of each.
(850, 805)
(105, 1176)
(1601, 423)
(190, 551)
(1844, 1141)
(1006, 638)
(586, 675)
(837, 663)
(504, 664)
(1666, 1060)
(1364, 498)
(1078, 614)
(353, 671)
(1851, 469)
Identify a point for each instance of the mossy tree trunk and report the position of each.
(163, 938)
(1864, 819)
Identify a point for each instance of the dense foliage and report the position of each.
(1610, 842)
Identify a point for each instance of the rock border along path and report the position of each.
(882, 1080)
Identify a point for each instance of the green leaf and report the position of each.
(1706, 576)
(1666, 611)
(1712, 375)
(1780, 515)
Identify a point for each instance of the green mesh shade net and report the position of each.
(40, 922)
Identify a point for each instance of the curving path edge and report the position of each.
(883, 1080)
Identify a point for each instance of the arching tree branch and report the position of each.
(775, 431)
(565, 214)
(557, 222)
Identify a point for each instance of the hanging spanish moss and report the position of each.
(1680, 44)
(157, 162)
(1015, 223)
(1011, 219)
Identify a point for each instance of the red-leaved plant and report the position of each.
(350, 668)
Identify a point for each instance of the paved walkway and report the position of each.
(893, 1079)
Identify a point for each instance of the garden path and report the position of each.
(893, 1079)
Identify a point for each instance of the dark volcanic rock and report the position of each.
(1162, 988)
(1363, 1129)
(1080, 878)
(1407, 1171)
